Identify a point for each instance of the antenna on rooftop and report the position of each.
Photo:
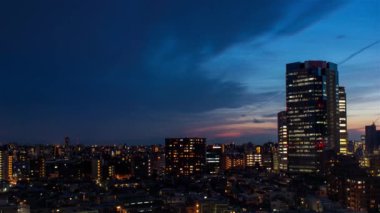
(376, 120)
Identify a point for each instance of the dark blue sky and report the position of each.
(139, 71)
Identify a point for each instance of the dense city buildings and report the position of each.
(352, 186)
(312, 110)
(185, 156)
(313, 167)
(230, 178)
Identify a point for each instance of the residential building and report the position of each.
(185, 156)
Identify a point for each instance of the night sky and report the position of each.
(136, 72)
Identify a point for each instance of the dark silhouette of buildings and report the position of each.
(372, 138)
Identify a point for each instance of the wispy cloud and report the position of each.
(358, 52)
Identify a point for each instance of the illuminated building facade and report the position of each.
(249, 160)
(10, 167)
(312, 113)
(356, 197)
(96, 169)
(282, 141)
(343, 135)
(258, 156)
(233, 161)
(111, 171)
(213, 158)
(350, 185)
(276, 159)
(41, 167)
(185, 156)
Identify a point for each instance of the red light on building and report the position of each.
(320, 145)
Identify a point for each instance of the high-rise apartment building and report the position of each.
(343, 135)
(185, 156)
(312, 112)
(282, 141)
(96, 169)
(41, 167)
(10, 167)
(235, 160)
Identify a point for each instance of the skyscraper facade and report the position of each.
(282, 141)
(185, 156)
(343, 135)
(312, 112)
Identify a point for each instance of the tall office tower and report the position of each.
(312, 113)
(343, 135)
(370, 138)
(282, 141)
(185, 156)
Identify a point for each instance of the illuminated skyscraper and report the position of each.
(185, 156)
(343, 138)
(312, 113)
(282, 141)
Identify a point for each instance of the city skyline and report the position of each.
(136, 73)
